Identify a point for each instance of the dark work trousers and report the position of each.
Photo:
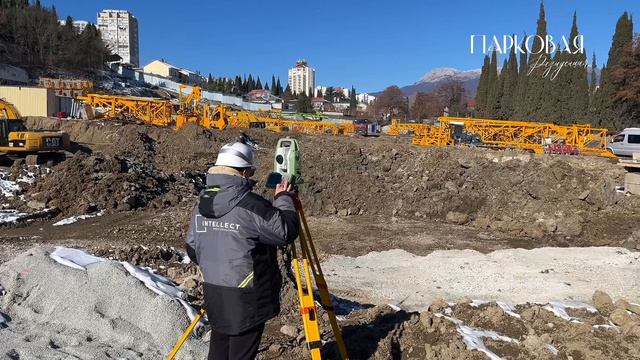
(243, 346)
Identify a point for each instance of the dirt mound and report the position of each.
(551, 197)
(468, 331)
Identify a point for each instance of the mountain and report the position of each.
(436, 77)
(444, 74)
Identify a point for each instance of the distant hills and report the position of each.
(436, 77)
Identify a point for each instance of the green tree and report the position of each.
(258, 83)
(274, 89)
(279, 91)
(251, 84)
(329, 94)
(510, 85)
(537, 85)
(577, 102)
(353, 102)
(609, 113)
(304, 103)
(483, 88)
(626, 78)
(593, 85)
(287, 94)
(493, 89)
(519, 109)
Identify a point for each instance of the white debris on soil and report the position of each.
(559, 309)
(472, 337)
(552, 349)
(74, 258)
(508, 308)
(11, 216)
(74, 219)
(8, 188)
(29, 177)
(513, 275)
(102, 312)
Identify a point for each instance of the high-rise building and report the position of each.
(119, 29)
(302, 78)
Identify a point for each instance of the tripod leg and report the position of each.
(186, 334)
(325, 297)
(307, 306)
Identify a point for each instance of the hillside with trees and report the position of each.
(31, 37)
(242, 85)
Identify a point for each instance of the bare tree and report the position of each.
(452, 96)
(426, 105)
(391, 103)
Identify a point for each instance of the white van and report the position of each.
(626, 143)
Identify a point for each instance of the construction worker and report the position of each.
(233, 236)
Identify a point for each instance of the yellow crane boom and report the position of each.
(533, 136)
(151, 111)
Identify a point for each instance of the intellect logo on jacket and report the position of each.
(203, 225)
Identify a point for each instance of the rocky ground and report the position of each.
(361, 195)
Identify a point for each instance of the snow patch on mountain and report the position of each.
(441, 74)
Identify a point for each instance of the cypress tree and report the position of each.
(258, 84)
(510, 73)
(519, 107)
(536, 91)
(251, 84)
(273, 88)
(578, 101)
(279, 90)
(606, 109)
(237, 86)
(592, 84)
(492, 87)
(353, 102)
(556, 107)
(483, 89)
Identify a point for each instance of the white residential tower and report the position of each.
(119, 29)
(302, 78)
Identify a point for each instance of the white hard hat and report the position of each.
(237, 155)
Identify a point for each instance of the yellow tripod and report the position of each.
(311, 264)
(185, 334)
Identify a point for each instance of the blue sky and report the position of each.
(368, 44)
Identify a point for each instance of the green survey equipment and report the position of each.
(286, 164)
(305, 262)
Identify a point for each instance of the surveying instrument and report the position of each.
(286, 167)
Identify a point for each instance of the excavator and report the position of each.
(18, 142)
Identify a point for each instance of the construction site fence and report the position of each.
(163, 82)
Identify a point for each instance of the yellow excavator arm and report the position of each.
(8, 111)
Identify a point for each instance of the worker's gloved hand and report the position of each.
(283, 187)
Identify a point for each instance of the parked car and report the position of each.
(625, 143)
